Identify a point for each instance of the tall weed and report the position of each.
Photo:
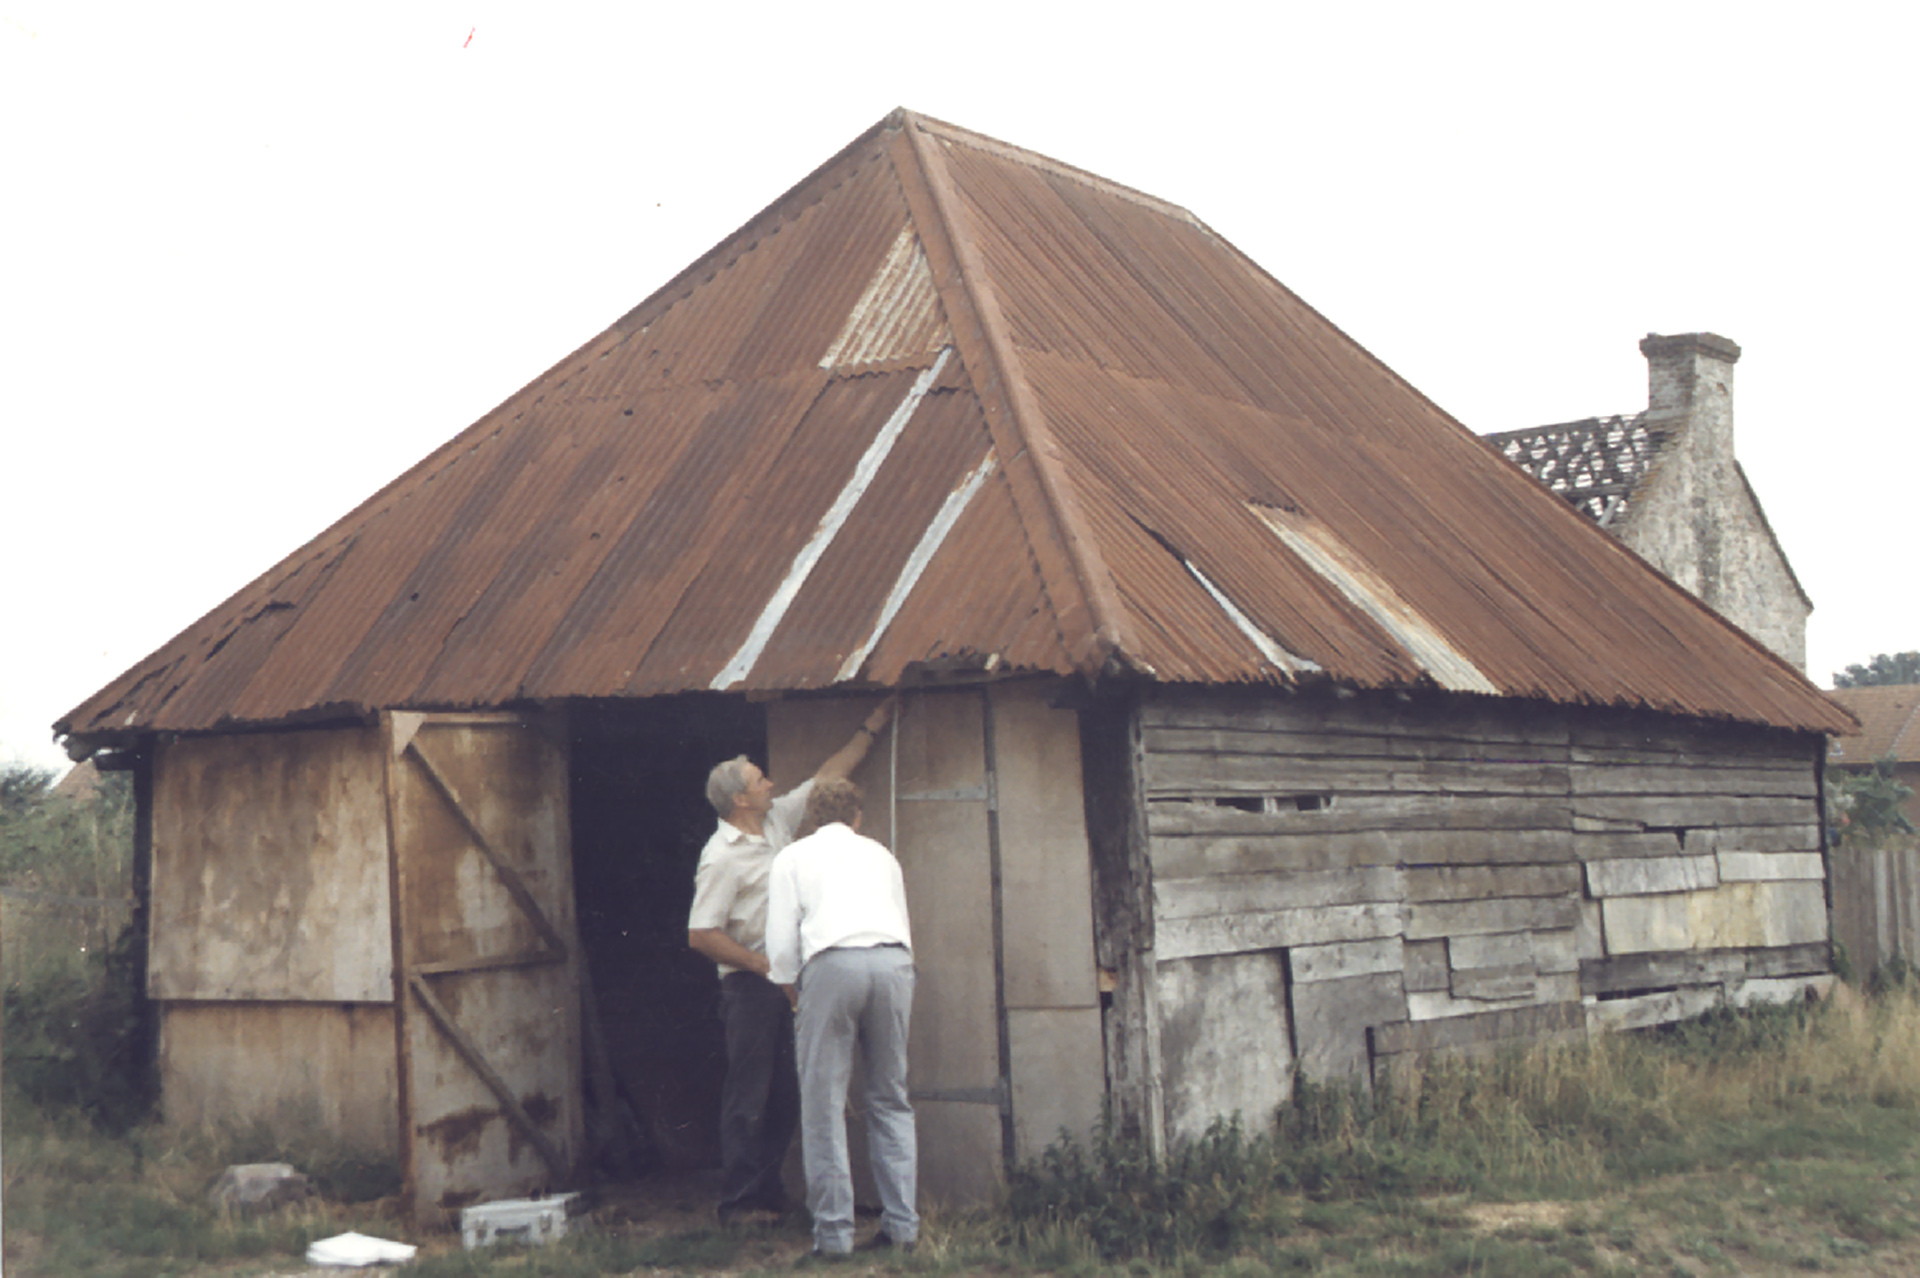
(1555, 1120)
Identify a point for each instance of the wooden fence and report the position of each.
(1876, 904)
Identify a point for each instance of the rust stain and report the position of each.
(458, 1134)
(545, 1113)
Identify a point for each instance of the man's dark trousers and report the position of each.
(760, 1099)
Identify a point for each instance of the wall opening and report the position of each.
(1267, 803)
(640, 818)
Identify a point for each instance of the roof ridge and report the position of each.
(1074, 574)
(1045, 163)
(1598, 419)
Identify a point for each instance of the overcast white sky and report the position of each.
(255, 260)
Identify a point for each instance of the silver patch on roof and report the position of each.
(898, 317)
(1327, 555)
(930, 542)
(1273, 652)
(829, 527)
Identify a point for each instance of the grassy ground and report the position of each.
(1785, 1141)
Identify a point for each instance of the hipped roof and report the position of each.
(1889, 717)
(950, 402)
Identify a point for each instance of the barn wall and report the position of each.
(270, 869)
(269, 955)
(1051, 990)
(1384, 878)
(298, 1067)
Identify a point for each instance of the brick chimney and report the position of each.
(1690, 389)
(1690, 399)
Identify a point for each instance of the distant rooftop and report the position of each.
(1889, 725)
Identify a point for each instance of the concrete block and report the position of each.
(1466, 918)
(1331, 1019)
(1780, 989)
(1045, 869)
(252, 1188)
(1495, 984)
(1426, 965)
(1588, 942)
(1651, 1009)
(1275, 929)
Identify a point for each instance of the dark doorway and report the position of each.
(640, 818)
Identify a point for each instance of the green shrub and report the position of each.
(1210, 1197)
(80, 1040)
(76, 1032)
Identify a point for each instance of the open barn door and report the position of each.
(486, 962)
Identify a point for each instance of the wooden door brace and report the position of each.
(470, 1052)
(556, 948)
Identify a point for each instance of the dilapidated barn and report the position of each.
(1255, 712)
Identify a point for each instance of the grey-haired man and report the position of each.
(759, 1103)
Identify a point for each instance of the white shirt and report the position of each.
(833, 889)
(730, 883)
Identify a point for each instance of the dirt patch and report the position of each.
(1493, 1217)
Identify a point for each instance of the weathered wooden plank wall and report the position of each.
(1447, 873)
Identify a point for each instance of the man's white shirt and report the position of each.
(833, 889)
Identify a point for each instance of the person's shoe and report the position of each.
(883, 1241)
(816, 1258)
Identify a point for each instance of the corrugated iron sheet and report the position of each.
(1081, 482)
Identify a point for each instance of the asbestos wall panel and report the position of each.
(1058, 1079)
(270, 869)
(1225, 1044)
(925, 787)
(1045, 870)
(316, 1067)
(1734, 915)
(1332, 1018)
(960, 1160)
(801, 735)
(956, 1038)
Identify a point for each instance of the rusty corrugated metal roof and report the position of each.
(947, 399)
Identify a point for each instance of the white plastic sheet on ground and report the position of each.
(355, 1251)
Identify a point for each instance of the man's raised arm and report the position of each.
(844, 760)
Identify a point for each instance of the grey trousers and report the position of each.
(857, 1001)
